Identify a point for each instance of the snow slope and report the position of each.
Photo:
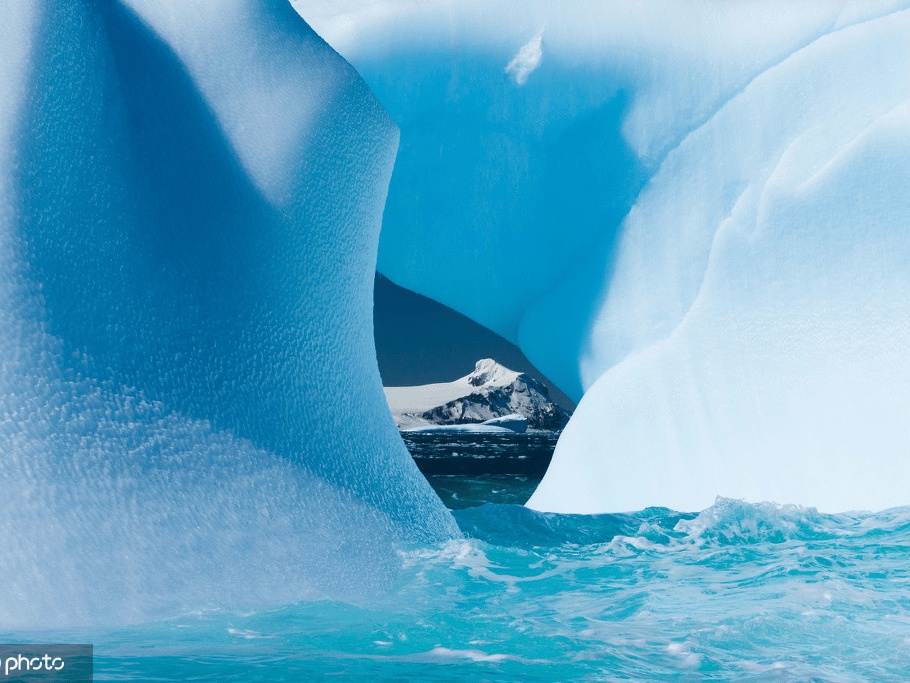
(490, 391)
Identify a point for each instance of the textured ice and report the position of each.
(515, 422)
(469, 428)
(507, 424)
(190, 408)
(773, 364)
(694, 214)
(527, 60)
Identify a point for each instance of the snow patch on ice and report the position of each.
(527, 60)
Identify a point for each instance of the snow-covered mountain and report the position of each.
(490, 391)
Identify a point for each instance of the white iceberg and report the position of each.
(514, 422)
(507, 424)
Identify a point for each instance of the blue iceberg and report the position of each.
(690, 217)
(190, 408)
(697, 226)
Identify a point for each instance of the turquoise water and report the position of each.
(738, 592)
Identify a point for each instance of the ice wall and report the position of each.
(190, 408)
(752, 342)
(690, 211)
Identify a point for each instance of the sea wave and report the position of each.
(737, 592)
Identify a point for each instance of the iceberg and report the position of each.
(507, 424)
(706, 228)
(691, 215)
(190, 409)
(514, 422)
(771, 366)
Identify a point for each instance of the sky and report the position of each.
(420, 341)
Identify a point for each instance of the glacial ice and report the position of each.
(507, 424)
(514, 422)
(190, 409)
(466, 428)
(692, 213)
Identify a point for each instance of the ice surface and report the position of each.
(527, 60)
(507, 424)
(692, 212)
(515, 422)
(752, 339)
(470, 428)
(531, 177)
(190, 408)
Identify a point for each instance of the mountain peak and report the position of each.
(488, 372)
(492, 391)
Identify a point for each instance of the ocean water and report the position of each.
(467, 470)
(737, 592)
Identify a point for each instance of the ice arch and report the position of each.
(190, 409)
(691, 212)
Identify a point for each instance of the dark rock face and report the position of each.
(525, 395)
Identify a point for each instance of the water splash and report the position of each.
(654, 595)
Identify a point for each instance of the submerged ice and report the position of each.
(693, 215)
